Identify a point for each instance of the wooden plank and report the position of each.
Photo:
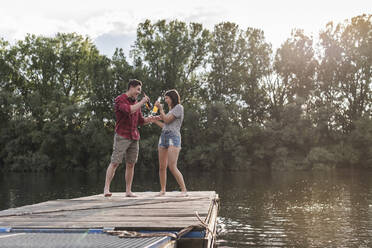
(138, 225)
(115, 214)
(212, 223)
(101, 202)
(100, 218)
(117, 225)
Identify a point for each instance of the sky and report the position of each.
(113, 23)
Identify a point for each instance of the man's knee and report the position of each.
(130, 165)
(114, 165)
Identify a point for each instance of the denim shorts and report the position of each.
(169, 138)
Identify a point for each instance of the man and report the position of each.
(126, 140)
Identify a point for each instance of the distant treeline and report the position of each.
(305, 105)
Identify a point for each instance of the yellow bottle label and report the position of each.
(155, 109)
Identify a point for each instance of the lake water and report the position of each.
(258, 209)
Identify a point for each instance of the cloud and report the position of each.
(118, 20)
(108, 42)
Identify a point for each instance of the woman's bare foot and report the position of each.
(106, 193)
(161, 193)
(130, 194)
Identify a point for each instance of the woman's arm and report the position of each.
(159, 123)
(151, 119)
(167, 118)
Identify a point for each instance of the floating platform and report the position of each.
(117, 221)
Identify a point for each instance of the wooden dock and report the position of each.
(146, 214)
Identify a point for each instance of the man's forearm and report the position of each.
(135, 107)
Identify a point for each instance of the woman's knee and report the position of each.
(173, 168)
(162, 167)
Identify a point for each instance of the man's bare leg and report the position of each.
(110, 173)
(129, 173)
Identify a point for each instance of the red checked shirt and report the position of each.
(127, 122)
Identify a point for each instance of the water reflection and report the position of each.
(258, 209)
(299, 209)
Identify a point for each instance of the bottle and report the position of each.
(148, 105)
(155, 109)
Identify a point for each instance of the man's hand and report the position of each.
(152, 119)
(135, 107)
(145, 99)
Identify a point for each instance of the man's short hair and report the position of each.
(134, 83)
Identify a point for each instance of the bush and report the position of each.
(320, 158)
(345, 155)
(30, 162)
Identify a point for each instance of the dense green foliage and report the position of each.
(305, 105)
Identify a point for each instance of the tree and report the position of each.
(345, 72)
(295, 67)
(171, 53)
(238, 61)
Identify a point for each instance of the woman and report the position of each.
(170, 140)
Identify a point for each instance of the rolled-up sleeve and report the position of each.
(141, 120)
(122, 106)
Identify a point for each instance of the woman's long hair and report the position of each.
(174, 96)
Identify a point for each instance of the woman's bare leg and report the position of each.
(163, 163)
(173, 153)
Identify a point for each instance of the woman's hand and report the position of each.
(151, 119)
(159, 105)
(157, 118)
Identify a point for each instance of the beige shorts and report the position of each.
(124, 147)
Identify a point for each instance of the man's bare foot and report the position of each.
(161, 193)
(130, 194)
(184, 193)
(107, 193)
